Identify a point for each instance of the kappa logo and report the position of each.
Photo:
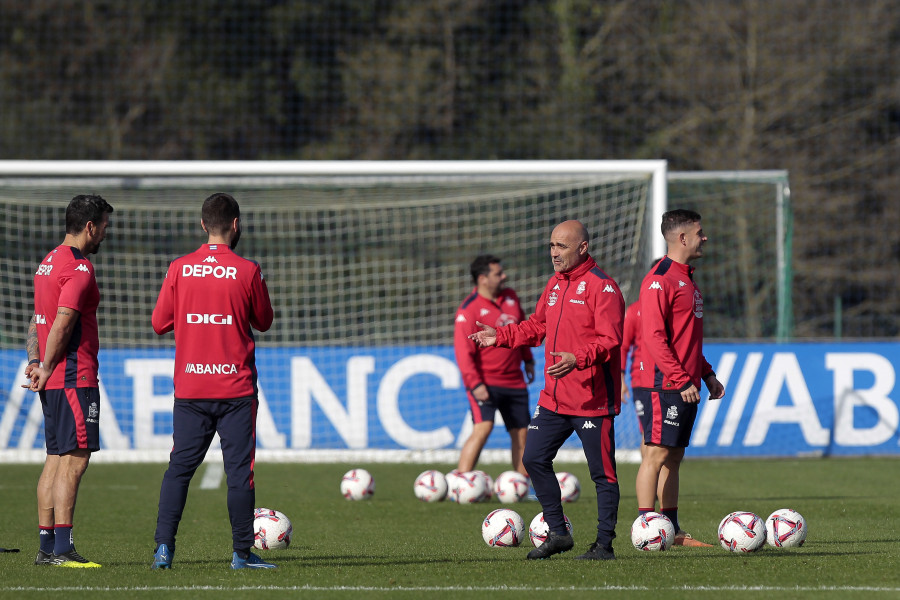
(50, 258)
(556, 287)
(82, 268)
(210, 259)
(483, 312)
(681, 283)
(460, 318)
(655, 286)
(589, 425)
(609, 288)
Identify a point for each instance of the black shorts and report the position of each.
(666, 419)
(71, 419)
(511, 402)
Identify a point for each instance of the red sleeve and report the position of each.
(530, 332)
(163, 318)
(465, 349)
(609, 316)
(655, 312)
(261, 313)
(73, 290)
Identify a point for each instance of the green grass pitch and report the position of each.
(394, 546)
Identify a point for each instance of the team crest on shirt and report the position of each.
(581, 287)
(698, 304)
(505, 319)
(552, 298)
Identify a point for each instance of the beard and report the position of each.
(235, 239)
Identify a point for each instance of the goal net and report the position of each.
(366, 264)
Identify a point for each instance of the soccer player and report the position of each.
(62, 345)
(492, 376)
(668, 387)
(579, 318)
(211, 298)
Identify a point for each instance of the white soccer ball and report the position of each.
(357, 484)
(469, 487)
(786, 528)
(539, 530)
(452, 488)
(510, 487)
(503, 528)
(652, 531)
(488, 485)
(430, 486)
(569, 486)
(742, 531)
(271, 529)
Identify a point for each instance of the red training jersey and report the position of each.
(211, 298)
(671, 329)
(501, 367)
(581, 312)
(65, 279)
(631, 339)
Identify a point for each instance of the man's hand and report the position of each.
(481, 394)
(715, 387)
(626, 393)
(563, 367)
(38, 376)
(691, 395)
(529, 371)
(486, 337)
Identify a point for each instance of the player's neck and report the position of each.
(76, 241)
(488, 295)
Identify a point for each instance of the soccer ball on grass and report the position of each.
(510, 487)
(786, 528)
(742, 531)
(503, 528)
(271, 529)
(430, 486)
(652, 531)
(569, 486)
(357, 484)
(539, 530)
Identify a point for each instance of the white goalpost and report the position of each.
(366, 262)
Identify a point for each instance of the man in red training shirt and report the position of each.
(211, 298)
(667, 388)
(492, 376)
(62, 343)
(579, 319)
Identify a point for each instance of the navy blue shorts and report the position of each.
(512, 403)
(71, 419)
(666, 419)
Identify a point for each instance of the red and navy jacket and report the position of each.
(671, 329)
(581, 312)
(65, 279)
(211, 298)
(631, 339)
(494, 366)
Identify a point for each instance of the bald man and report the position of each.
(579, 318)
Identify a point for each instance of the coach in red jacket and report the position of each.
(211, 298)
(579, 318)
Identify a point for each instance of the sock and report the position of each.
(672, 513)
(644, 511)
(63, 543)
(47, 539)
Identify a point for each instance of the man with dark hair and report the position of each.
(668, 386)
(62, 344)
(492, 376)
(579, 318)
(211, 298)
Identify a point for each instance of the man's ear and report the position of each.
(203, 225)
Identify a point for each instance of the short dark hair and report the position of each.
(84, 208)
(219, 211)
(482, 265)
(675, 219)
